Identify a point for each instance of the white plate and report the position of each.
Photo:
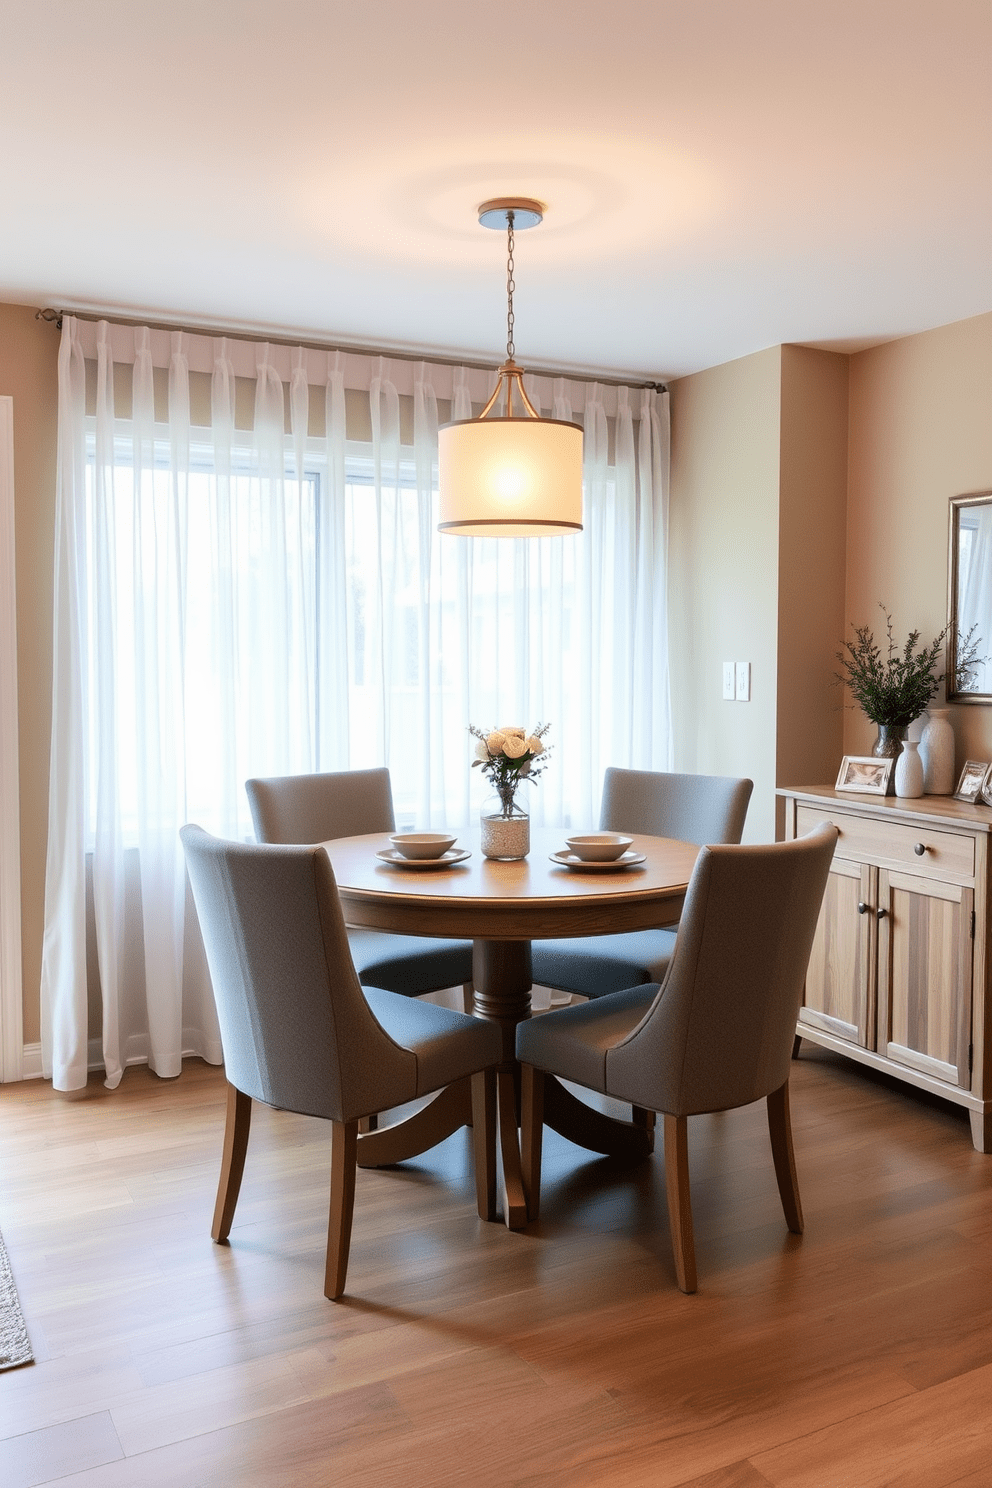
(629, 859)
(397, 860)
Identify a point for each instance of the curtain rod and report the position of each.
(54, 317)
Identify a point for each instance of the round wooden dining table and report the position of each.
(501, 907)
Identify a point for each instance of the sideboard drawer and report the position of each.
(889, 842)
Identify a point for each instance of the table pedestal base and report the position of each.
(501, 972)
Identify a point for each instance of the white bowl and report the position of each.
(422, 844)
(599, 847)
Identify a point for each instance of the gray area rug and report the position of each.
(15, 1347)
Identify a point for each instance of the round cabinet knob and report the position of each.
(863, 908)
(881, 913)
(920, 849)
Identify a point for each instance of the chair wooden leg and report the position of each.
(468, 997)
(780, 1132)
(679, 1201)
(344, 1165)
(484, 1141)
(237, 1124)
(531, 1135)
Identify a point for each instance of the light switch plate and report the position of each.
(729, 682)
(743, 691)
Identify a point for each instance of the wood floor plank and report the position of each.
(48, 1455)
(977, 1479)
(161, 1414)
(933, 1436)
(308, 1443)
(63, 1389)
(736, 1475)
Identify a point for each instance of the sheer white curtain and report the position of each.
(249, 581)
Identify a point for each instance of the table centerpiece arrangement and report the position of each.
(507, 757)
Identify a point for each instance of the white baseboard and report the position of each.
(31, 1060)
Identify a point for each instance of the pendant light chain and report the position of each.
(510, 287)
(513, 475)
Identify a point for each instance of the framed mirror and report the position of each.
(969, 600)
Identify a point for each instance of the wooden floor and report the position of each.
(860, 1355)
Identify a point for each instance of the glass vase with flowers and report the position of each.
(507, 757)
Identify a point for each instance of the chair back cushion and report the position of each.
(719, 1033)
(315, 808)
(692, 808)
(295, 1027)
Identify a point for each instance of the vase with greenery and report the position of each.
(507, 757)
(894, 686)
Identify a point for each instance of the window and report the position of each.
(273, 599)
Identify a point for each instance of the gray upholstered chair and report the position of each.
(718, 1032)
(298, 1033)
(692, 808)
(349, 803)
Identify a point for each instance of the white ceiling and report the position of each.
(720, 175)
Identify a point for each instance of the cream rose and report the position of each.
(515, 746)
(534, 745)
(514, 730)
(482, 750)
(496, 740)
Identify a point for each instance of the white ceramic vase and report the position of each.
(505, 829)
(937, 754)
(909, 770)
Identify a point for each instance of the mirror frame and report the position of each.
(957, 505)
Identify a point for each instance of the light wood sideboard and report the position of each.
(899, 977)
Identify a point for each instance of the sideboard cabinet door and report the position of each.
(840, 980)
(925, 961)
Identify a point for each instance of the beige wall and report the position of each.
(759, 470)
(920, 432)
(723, 568)
(28, 373)
(811, 558)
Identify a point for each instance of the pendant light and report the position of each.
(515, 474)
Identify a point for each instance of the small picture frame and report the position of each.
(973, 778)
(865, 774)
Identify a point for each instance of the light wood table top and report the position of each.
(531, 899)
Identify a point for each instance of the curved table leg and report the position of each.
(587, 1127)
(450, 1109)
